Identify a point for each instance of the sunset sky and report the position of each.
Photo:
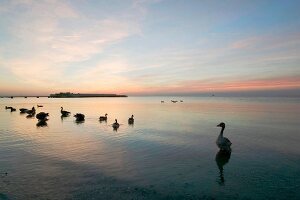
(145, 47)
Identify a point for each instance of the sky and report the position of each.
(150, 47)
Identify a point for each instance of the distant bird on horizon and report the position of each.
(103, 118)
(64, 113)
(131, 120)
(116, 124)
(222, 142)
(39, 106)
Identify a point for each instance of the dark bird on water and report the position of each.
(116, 125)
(130, 120)
(8, 107)
(63, 112)
(103, 118)
(222, 142)
(31, 112)
(42, 116)
(39, 106)
(79, 117)
(23, 110)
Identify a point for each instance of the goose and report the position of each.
(12, 109)
(39, 106)
(103, 118)
(23, 110)
(79, 117)
(42, 116)
(222, 142)
(174, 101)
(116, 124)
(131, 120)
(8, 107)
(31, 112)
(64, 112)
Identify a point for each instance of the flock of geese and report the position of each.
(79, 117)
(222, 142)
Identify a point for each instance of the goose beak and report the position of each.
(219, 125)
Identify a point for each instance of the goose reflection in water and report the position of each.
(42, 123)
(222, 158)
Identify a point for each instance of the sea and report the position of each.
(169, 152)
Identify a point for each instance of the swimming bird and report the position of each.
(116, 124)
(222, 142)
(79, 117)
(103, 118)
(131, 120)
(8, 107)
(174, 101)
(23, 110)
(39, 106)
(12, 109)
(42, 116)
(64, 112)
(31, 112)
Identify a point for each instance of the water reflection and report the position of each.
(62, 117)
(42, 123)
(30, 116)
(222, 158)
(77, 121)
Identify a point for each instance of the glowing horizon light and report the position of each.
(148, 47)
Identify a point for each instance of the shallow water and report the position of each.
(169, 152)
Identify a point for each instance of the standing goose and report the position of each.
(63, 112)
(116, 124)
(131, 120)
(103, 118)
(222, 142)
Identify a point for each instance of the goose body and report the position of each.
(103, 118)
(222, 142)
(131, 120)
(116, 124)
(42, 116)
(64, 112)
(31, 112)
(23, 110)
(79, 117)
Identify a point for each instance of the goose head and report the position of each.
(222, 124)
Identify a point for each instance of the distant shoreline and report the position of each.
(67, 95)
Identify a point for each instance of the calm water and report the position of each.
(169, 153)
